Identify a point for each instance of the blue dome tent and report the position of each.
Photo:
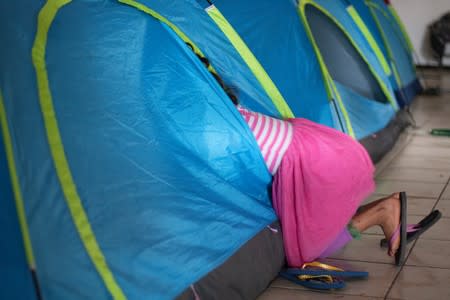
(345, 52)
(136, 177)
(136, 173)
(352, 57)
(16, 278)
(383, 23)
(297, 75)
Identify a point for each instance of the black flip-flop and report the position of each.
(413, 231)
(401, 230)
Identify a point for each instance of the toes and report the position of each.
(392, 252)
(396, 195)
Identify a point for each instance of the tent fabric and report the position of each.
(236, 278)
(162, 162)
(384, 140)
(341, 56)
(284, 51)
(338, 40)
(223, 56)
(370, 39)
(288, 58)
(251, 61)
(336, 11)
(363, 123)
(137, 173)
(307, 89)
(307, 98)
(15, 277)
(383, 25)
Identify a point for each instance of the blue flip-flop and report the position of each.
(322, 272)
(318, 275)
(323, 282)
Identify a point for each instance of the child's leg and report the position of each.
(344, 237)
(383, 212)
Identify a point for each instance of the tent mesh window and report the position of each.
(343, 61)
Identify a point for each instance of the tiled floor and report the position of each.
(420, 165)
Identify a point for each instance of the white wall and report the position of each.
(416, 16)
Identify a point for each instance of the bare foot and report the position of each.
(389, 224)
(383, 212)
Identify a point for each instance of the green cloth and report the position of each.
(354, 232)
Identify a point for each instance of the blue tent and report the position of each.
(16, 276)
(383, 24)
(273, 42)
(136, 173)
(348, 55)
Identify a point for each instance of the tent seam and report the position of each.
(20, 207)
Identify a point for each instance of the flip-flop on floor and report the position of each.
(413, 231)
(401, 230)
(317, 275)
(317, 268)
(320, 282)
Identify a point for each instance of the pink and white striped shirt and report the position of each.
(273, 136)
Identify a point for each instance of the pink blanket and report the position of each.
(320, 183)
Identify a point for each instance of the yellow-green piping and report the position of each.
(20, 207)
(370, 39)
(330, 86)
(79, 216)
(172, 26)
(383, 86)
(251, 61)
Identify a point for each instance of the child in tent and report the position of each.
(320, 178)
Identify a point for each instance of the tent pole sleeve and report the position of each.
(382, 84)
(172, 26)
(251, 61)
(370, 39)
(332, 91)
(72, 198)
(402, 28)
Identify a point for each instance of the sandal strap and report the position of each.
(395, 235)
(318, 264)
(413, 227)
(326, 278)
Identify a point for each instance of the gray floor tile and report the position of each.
(420, 206)
(366, 250)
(430, 141)
(444, 207)
(415, 174)
(409, 161)
(446, 194)
(421, 284)
(430, 253)
(374, 197)
(421, 118)
(376, 230)
(438, 123)
(377, 285)
(427, 152)
(294, 294)
(414, 189)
